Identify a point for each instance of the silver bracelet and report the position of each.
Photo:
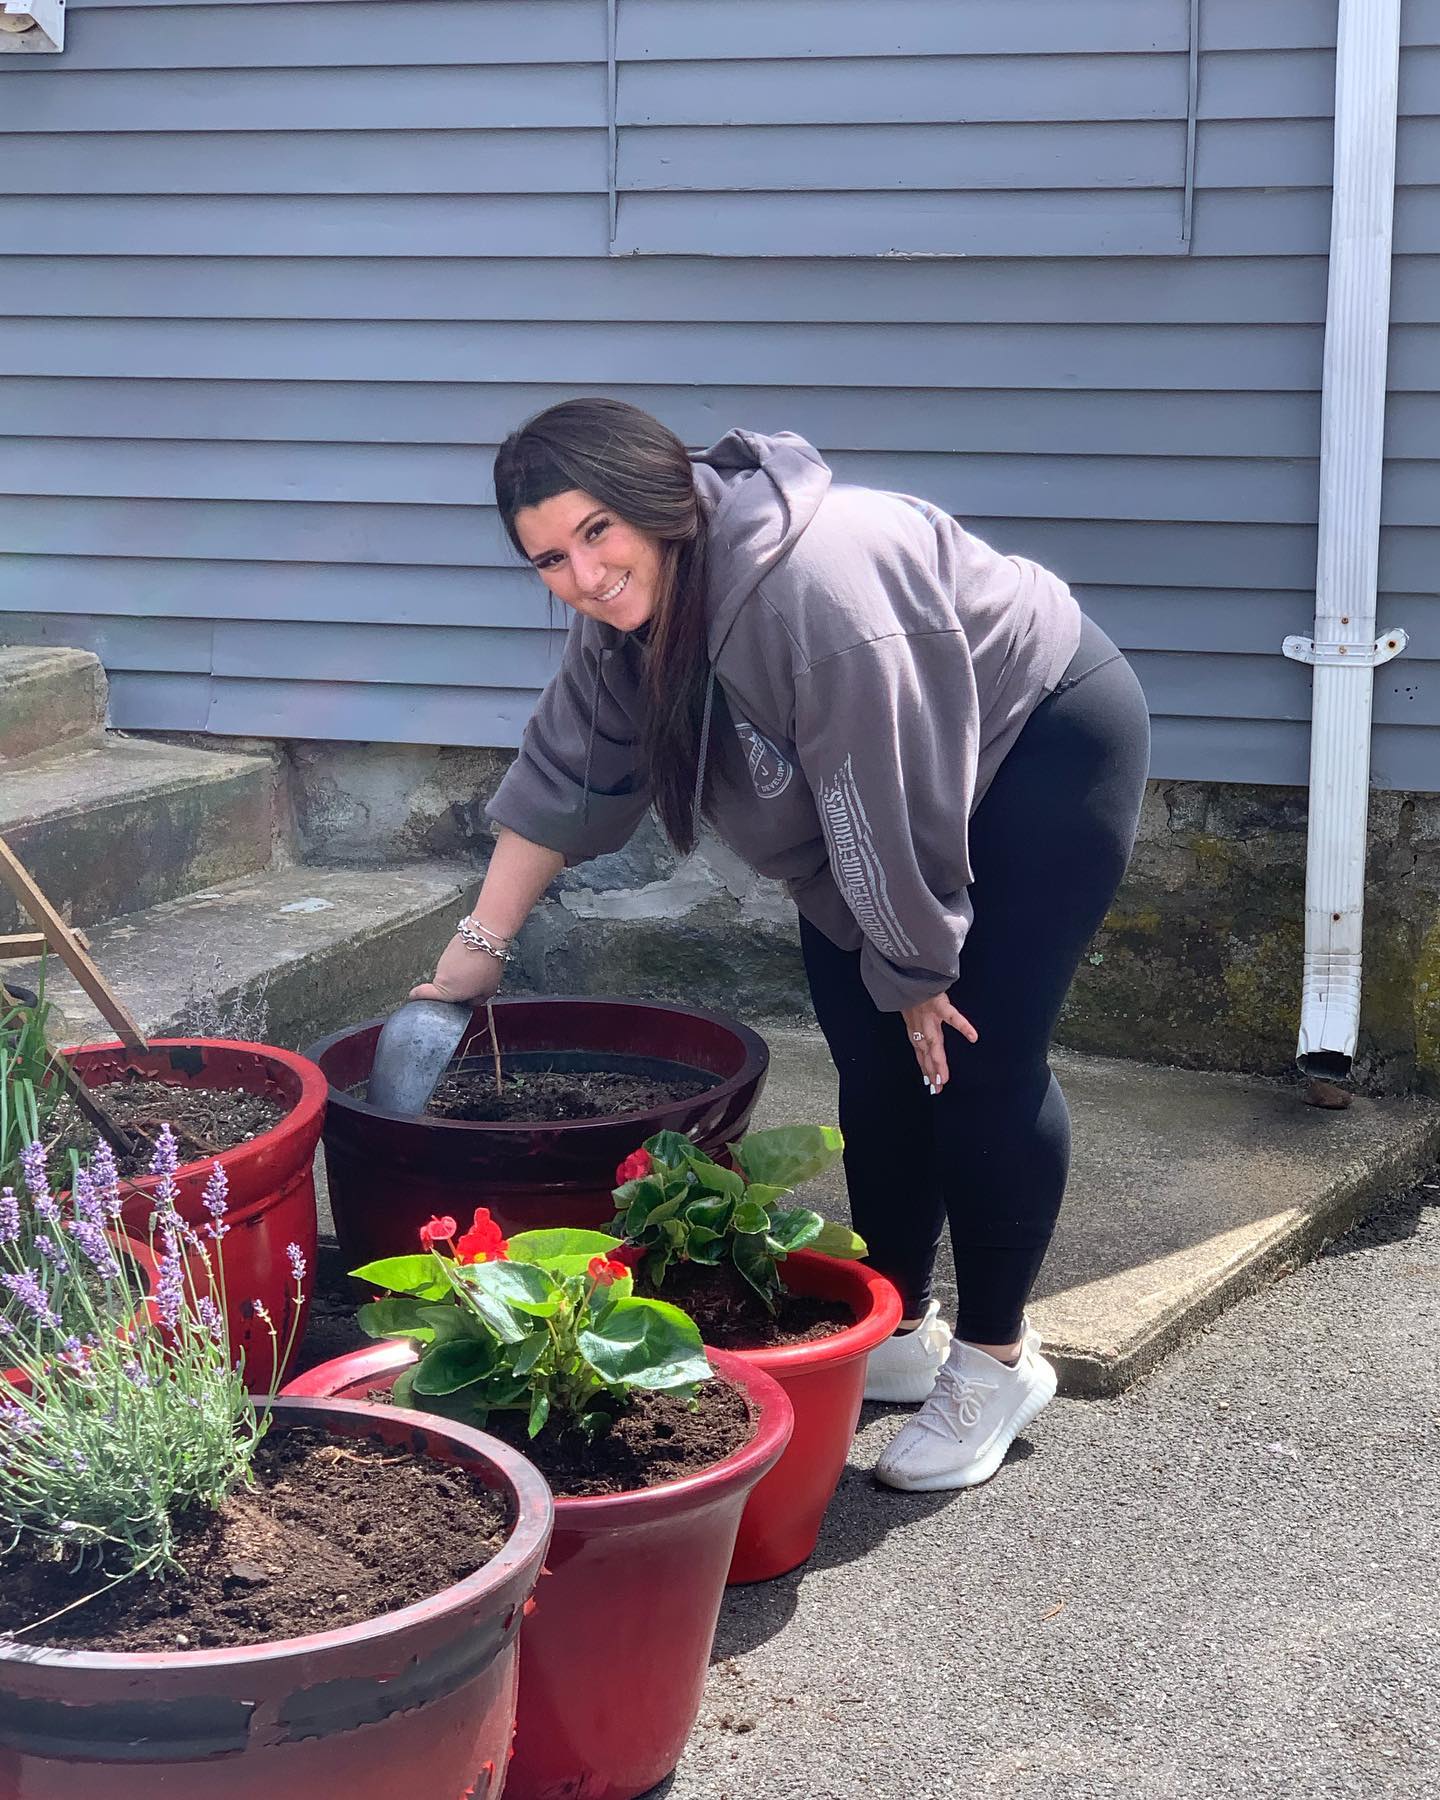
(474, 938)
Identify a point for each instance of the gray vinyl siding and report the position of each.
(287, 272)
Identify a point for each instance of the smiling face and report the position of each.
(590, 558)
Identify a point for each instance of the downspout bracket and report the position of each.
(1361, 656)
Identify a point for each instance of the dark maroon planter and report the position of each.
(389, 1173)
(416, 1702)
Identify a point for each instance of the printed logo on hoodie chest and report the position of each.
(769, 770)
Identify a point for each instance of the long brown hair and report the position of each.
(633, 465)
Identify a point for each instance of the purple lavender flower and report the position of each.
(170, 1287)
(105, 1179)
(164, 1163)
(216, 1200)
(26, 1287)
(134, 1373)
(261, 1311)
(52, 1252)
(166, 1159)
(297, 1263)
(32, 1167)
(9, 1216)
(95, 1246)
(18, 1419)
(210, 1318)
(83, 1198)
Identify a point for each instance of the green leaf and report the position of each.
(674, 1149)
(789, 1154)
(648, 1344)
(520, 1286)
(546, 1247)
(400, 1317)
(839, 1240)
(420, 1275)
(529, 1353)
(709, 1253)
(647, 1191)
(794, 1229)
(755, 1260)
(403, 1392)
(726, 1184)
(539, 1411)
(750, 1218)
(446, 1368)
(489, 1309)
(765, 1194)
(713, 1215)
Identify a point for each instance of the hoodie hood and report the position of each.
(758, 494)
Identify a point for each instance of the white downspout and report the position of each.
(1345, 648)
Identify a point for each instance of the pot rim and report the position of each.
(774, 1424)
(882, 1314)
(308, 1109)
(534, 1514)
(755, 1064)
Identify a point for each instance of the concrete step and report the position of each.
(322, 946)
(126, 824)
(1187, 1191)
(49, 699)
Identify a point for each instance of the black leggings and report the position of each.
(1048, 844)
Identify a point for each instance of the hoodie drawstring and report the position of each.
(590, 746)
(700, 760)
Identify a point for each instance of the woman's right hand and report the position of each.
(462, 974)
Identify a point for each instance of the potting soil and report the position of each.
(336, 1531)
(205, 1120)
(540, 1097)
(732, 1316)
(657, 1437)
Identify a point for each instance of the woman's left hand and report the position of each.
(925, 1025)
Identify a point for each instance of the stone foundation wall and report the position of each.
(1199, 962)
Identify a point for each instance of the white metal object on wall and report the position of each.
(32, 27)
(1346, 648)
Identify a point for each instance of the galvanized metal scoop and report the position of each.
(414, 1049)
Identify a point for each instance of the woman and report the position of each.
(936, 753)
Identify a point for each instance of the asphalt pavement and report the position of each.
(1220, 1582)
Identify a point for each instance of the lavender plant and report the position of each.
(131, 1411)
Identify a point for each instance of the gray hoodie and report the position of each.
(877, 663)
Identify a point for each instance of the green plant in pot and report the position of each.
(546, 1324)
(677, 1205)
(777, 1285)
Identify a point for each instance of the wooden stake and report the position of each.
(66, 945)
(34, 943)
(123, 1142)
(494, 1044)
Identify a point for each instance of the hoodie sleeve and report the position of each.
(887, 733)
(577, 785)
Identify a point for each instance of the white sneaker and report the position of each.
(904, 1368)
(960, 1435)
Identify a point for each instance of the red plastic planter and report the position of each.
(826, 1383)
(389, 1172)
(272, 1177)
(613, 1662)
(418, 1702)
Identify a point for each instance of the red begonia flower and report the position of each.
(483, 1242)
(636, 1164)
(604, 1270)
(437, 1231)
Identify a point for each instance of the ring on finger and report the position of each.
(918, 1036)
